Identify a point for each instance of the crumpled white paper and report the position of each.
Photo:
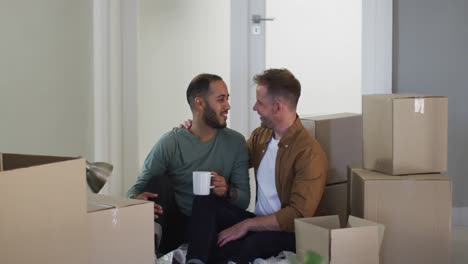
(178, 256)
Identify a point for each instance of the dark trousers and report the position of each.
(211, 215)
(174, 224)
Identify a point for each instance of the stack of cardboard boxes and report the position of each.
(338, 240)
(340, 136)
(402, 140)
(47, 217)
(400, 186)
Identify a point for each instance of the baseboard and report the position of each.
(460, 216)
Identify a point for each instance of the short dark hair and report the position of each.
(280, 83)
(199, 86)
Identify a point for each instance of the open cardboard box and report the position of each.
(47, 218)
(358, 243)
(43, 209)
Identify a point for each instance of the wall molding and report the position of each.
(101, 82)
(239, 72)
(130, 16)
(107, 90)
(115, 89)
(377, 43)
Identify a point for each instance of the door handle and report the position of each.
(256, 19)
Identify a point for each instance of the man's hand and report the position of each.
(234, 232)
(220, 185)
(187, 124)
(158, 210)
(254, 224)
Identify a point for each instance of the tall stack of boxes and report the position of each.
(338, 240)
(340, 136)
(401, 185)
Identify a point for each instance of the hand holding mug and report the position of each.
(220, 184)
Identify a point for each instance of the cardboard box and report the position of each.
(340, 136)
(43, 211)
(359, 243)
(120, 230)
(335, 202)
(405, 134)
(416, 212)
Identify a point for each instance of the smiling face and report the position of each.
(216, 107)
(264, 106)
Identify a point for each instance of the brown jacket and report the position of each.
(300, 171)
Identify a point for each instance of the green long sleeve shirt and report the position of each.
(178, 153)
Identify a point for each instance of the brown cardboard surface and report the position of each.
(350, 183)
(353, 245)
(340, 136)
(43, 211)
(335, 202)
(120, 230)
(317, 228)
(416, 212)
(358, 243)
(399, 139)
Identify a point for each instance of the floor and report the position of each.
(459, 247)
(459, 244)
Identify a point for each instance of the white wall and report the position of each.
(178, 40)
(46, 77)
(320, 42)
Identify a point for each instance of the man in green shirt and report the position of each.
(208, 145)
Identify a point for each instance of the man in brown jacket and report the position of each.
(291, 170)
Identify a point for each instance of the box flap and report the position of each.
(369, 175)
(402, 96)
(310, 236)
(355, 245)
(328, 116)
(97, 202)
(10, 161)
(412, 96)
(326, 222)
(93, 206)
(359, 222)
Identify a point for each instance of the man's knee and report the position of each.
(205, 201)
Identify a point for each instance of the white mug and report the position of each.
(202, 182)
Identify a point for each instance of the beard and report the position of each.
(211, 118)
(266, 123)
